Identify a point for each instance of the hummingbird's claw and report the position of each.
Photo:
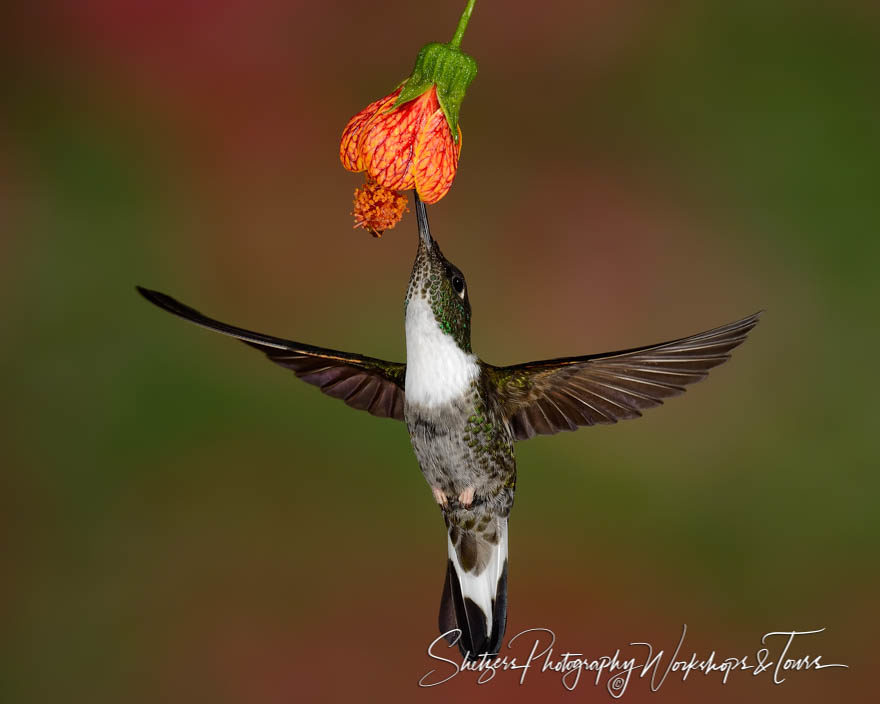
(439, 495)
(466, 498)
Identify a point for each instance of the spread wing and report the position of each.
(365, 383)
(563, 394)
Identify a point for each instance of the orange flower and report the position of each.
(410, 146)
(410, 138)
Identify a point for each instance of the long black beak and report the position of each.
(422, 219)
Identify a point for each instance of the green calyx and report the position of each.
(446, 67)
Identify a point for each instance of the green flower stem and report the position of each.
(462, 25)
(448, 68)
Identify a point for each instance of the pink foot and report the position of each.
(439, 495)
(466, 497)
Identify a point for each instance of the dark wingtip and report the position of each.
(745, 325)
(181, 310)
(157, 298)
(172, 305)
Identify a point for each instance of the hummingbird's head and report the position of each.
(438, 282)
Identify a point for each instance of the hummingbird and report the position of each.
(464, 416)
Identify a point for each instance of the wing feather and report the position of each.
(549, 396)
(364, 383)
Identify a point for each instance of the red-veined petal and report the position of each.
(436, 158)
(351, 157)
(388, 141)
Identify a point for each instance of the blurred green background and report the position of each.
(183, 521)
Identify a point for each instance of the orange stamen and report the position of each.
(377, 209)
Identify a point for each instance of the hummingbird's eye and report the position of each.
(458, 285)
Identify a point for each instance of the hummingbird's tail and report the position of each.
(474, 600)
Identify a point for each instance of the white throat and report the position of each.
(437, 371)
